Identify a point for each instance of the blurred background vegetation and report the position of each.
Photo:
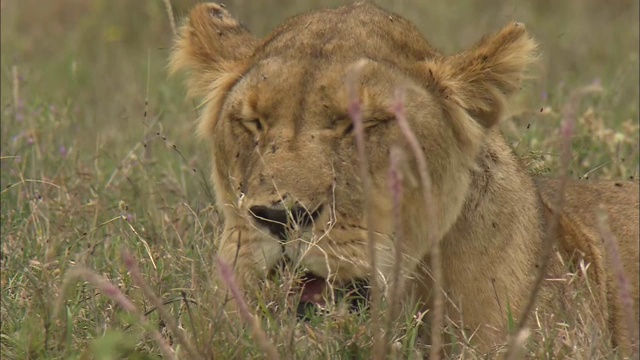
(92, 130)
(94, 56)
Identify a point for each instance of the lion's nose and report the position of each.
(278, 220)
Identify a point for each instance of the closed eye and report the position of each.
(367, 124)
(378, 121)
(254, 125)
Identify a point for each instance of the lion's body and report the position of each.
(276, 113)
(579, 235)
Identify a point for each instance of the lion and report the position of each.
(286, 171)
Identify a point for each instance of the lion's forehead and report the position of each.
(298, 72)
(277, 88)
(347, 33)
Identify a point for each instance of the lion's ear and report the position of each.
(480, 79)
(210, 44)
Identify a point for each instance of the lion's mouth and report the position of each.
(317, 295)
(314, 293)
(313, 289)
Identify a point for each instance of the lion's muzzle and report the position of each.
(280, 220)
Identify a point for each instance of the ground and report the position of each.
(97, 155)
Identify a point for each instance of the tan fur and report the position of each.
(275, 112)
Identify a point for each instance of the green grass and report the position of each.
(98, 155)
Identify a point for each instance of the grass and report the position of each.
(97, 156)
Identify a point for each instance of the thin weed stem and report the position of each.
(111, 291)
(436, 266)
(566, 134)
(395, 185)
(172, 19)
(136, 275)
(226, 273)
(355, 112)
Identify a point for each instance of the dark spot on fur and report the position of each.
(494, 224)
(348, 130)
(493, 157)
(217, 13)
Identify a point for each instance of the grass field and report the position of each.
(98, 155)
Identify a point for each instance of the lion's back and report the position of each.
(581, 232)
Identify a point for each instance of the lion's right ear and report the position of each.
(209, 45)
(480, 79)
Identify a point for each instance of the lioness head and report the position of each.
(285, 165)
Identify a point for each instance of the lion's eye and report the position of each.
(365, 125)
(376, 122)
(254, 125)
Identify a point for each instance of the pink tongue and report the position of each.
(312, 289)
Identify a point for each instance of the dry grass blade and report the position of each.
(144, 242)
(136, 275)
(226, 273)
(16, 91)
(624, 289)
(111, 291)
(23, 181)
(172, 19)
(436, 266)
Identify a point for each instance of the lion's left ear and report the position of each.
(210, 44)
(480, 79)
